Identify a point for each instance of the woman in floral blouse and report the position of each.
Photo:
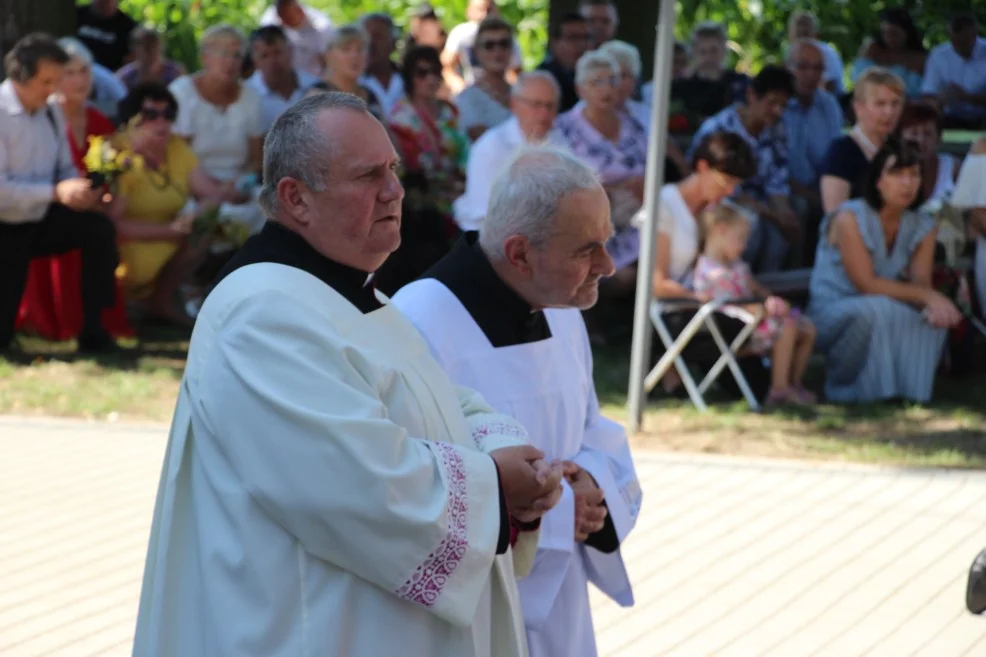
(427, 131)
(434, 151)
(613, 144)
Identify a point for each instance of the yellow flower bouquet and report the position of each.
(107, 159)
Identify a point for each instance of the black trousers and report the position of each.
(61, 230)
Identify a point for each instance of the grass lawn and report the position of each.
(47, 379)
(950, 432)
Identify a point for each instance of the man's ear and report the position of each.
(518, 251)
(295, 199)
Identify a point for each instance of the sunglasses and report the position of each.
(425, 72)
(153, 114)
(502, 44)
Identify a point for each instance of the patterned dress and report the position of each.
(875, 347)
(614, 162)
(731, 282)
(435, 149)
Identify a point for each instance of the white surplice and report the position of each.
(547, 386)
(324, 491)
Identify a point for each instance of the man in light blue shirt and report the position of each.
(46, 207)
(813, 119)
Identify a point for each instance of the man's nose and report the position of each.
(393, 190)
(606, 266)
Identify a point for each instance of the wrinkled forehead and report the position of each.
(584, 216)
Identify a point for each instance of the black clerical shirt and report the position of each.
(276, 244)
(504, 317)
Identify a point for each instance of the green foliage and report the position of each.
(183, 21)
(757, 29)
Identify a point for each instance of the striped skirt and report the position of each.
(876, 349)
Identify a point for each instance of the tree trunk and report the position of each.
(21, 17)
(638, 19)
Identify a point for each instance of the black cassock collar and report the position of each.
(503, 316)
(276, 244)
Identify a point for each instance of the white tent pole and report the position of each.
(657, 148)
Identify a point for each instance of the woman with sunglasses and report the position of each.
(433, 150)
(486, 102)
(427, 130)
(151, 205)
(45, 310)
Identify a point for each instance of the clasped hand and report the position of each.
(777, 307)
(590, 507)
(531, 486)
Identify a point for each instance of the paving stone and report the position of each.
(731, 557)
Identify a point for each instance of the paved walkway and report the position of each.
(730, 558)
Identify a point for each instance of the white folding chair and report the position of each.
(703, 325)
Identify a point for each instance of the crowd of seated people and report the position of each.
(774, 144)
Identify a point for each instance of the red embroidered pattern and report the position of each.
(480, 433)
(430, 578)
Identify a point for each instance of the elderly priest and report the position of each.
(501, 314)
(327, 490)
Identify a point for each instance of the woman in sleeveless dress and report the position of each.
(880, 322)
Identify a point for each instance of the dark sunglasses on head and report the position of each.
(502, 44)
(424, 72)
(152, 114)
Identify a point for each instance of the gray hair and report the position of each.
(346, 34)
(625, 54)
(796, 47)
(221, 31)
(803, 15)
(530, 76)
(75, 49)
(526, 194)
(296, 148)
(592, 61)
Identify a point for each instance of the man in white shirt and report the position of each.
(382, 77)
(534, 103)
(307, 29)
(327, 490)
(502, 315)
(804, 25)
(458, 57)
(275, 79)
(955, 74)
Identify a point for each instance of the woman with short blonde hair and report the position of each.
(878, 101)
(218, 115)
(345, 61)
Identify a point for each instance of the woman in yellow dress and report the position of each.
(151, 206)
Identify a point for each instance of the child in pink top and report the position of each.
(720, 273)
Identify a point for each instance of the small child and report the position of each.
(721, 274)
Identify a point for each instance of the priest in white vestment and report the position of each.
(327, 490)
(502, 315)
